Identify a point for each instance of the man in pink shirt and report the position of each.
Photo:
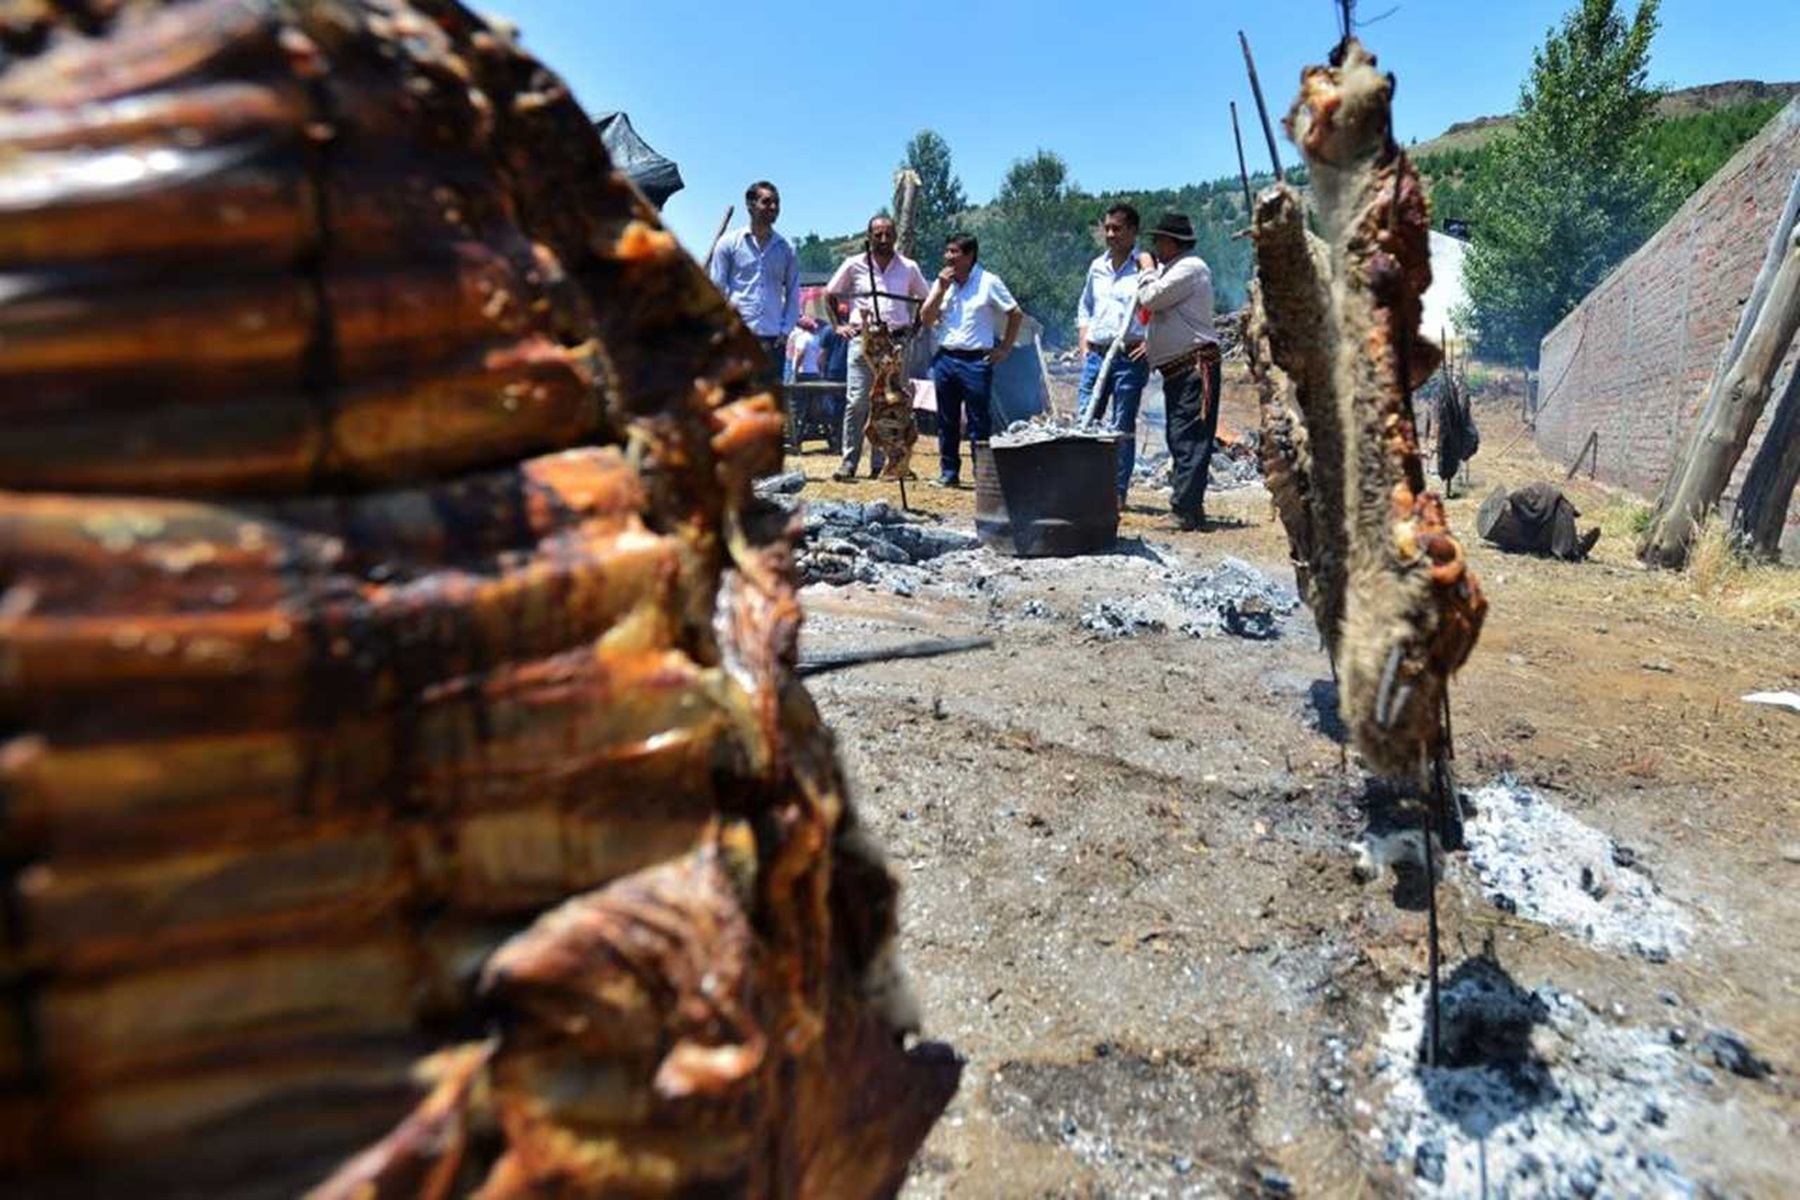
(885, 295)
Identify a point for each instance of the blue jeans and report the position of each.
(965, 386)
(1123, 398)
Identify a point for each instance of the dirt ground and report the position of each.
(1130, 896)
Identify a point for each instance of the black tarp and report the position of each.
(1536, 519)
(657, 177)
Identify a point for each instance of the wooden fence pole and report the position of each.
(1731, 413)
(1762, 507)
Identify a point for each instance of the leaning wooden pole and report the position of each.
(1753, 304)
(713, 246)
(1765, 278)
(1731, 413)
(1761, 514)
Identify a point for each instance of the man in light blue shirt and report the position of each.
(1108, 311)
(759, 273)
(968, 300)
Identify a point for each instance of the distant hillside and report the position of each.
(1696, 132)
(1699, 129)
(1472, 135)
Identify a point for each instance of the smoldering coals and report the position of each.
(1536, 1094)
(1137, 589)
(1053, 428)
(1234, 465)
(1535, 860)
(1232, 597)
(848, 541)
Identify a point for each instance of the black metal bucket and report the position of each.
(1047, 499)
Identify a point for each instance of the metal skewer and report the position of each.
(1261, 108)
(1243, 174)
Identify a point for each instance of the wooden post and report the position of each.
(724, 224)
(1762, 506)
(1731, 413)
(906, 192)
(1759, 290)
(1592, 443)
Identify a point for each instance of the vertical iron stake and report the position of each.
(1243, 174)
(1434, 818)
(1446, 759)
(1261, 108)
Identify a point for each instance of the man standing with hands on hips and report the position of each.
(969, 301)
(1175, 285)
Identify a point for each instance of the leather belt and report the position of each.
(1184, 362)
(962, 354)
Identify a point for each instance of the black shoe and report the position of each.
(948, 480)
(843, 475)
(1190, 522)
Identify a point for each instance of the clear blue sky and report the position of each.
(822, 97)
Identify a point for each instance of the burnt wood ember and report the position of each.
(405, 785)
(1395, 601)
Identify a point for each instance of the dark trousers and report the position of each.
(965, 388)
(1191, 399)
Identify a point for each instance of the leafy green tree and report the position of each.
(815, 253)
(1688, 151)
(940, 199)
(1571, 190)
(1684, 151)
(1039, 237)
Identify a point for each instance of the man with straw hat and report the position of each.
(1175, 287)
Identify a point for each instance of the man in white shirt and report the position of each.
(759, 272)
(884, 296)
(804, 353)
(1176, 286)
(1108, 311)
(969, 301)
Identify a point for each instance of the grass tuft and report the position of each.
(1718, 571)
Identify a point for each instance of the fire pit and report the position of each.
(1050, 498)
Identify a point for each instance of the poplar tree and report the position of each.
(1571, 190)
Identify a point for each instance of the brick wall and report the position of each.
(1634, 358)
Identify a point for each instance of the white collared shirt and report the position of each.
(1109, 301)
(972, 310)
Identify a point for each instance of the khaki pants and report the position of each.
(858, 382)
